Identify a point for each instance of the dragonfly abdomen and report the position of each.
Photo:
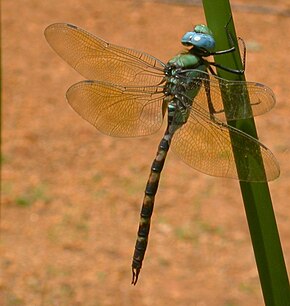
(148, 205)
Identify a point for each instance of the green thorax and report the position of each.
(184, 75)
(188, 61)
(184, 68)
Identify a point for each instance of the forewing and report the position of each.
(261, 97)
(117, 110)
(207, 147)
(97, 59)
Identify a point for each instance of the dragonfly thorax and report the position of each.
(183, 80)
(182, 74)
(183, 61)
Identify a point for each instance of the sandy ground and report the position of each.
(71, 196)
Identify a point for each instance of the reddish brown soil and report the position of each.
(71, 196)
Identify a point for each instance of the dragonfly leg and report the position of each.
(211, 109)
(231, 49)
(235, 71)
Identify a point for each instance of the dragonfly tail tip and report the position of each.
(135, 275)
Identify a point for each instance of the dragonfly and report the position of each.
(127, 93)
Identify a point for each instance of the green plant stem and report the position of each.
(256, 196)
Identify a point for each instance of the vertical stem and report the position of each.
(256, 196)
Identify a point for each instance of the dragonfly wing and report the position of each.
(117, 110)
(206, 146)
(261, 97)
(97, 59)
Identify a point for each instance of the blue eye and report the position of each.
(199, 40)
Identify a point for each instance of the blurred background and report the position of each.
(71, 196)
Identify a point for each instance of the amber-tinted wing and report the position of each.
(117, 110)
(207, 147)
(261, 97)
(97, 59)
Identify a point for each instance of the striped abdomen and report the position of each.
(147, 207)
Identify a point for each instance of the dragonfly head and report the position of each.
(201, 39)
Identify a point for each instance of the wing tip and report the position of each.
(59, 25)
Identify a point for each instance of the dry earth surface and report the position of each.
(71, 196)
